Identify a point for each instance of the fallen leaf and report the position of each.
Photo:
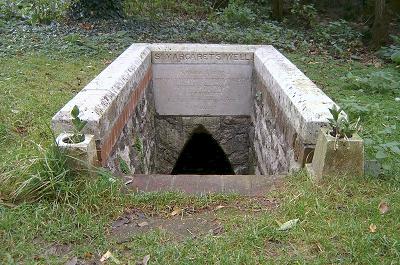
(143, 224)
(288, 225)
(175, 212)
(372, 228)
(146, 259)
(109, 255)
(106, 256)
(88, 255)
(219, 207)
(383, 207)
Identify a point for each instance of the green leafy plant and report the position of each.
(375, 82)
(391, 52)
(96, 8)
(305, 14)
(39, 11)
(341, 126)
(123, 166)
(386, 150)
(139, 150)
(238, 14)
(77, 136)
(338, 37)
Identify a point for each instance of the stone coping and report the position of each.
(102, 100)
(304, 104)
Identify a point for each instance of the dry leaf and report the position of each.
(219, 207)
(146, 259)
(175, 212)
(88, 255)
(288, 225)
(106, 256)
(383, 207)
(109, 255)
(372, 228)
(143, 224)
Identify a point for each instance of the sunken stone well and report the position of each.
(150, 109)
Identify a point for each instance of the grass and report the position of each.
(335, 214)
(34, 87)
(334, 226)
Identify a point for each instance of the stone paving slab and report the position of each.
(248, 185)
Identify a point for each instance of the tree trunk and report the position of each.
(277, 9)
(380, 28)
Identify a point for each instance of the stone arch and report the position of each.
(202, 154)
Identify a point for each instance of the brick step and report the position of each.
(249, 185)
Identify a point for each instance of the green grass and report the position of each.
(335, 215)
(34, 88)
(334, 226)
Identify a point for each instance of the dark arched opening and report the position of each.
(202, 155)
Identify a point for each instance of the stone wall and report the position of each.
(273, 136)
(142, 109)
(231, 132)
(289, 110)
(134, 152)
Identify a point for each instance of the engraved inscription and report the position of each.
(202, 89)
(182, 57)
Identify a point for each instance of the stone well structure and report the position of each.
(142, 109)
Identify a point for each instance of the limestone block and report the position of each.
(202, 89)
(83, 155)
(202, 53)
(337, 157)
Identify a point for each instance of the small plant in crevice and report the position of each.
(139, 150)
(77, 136)
(123, 166)
(341, 126)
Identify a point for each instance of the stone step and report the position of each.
(248, 185)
